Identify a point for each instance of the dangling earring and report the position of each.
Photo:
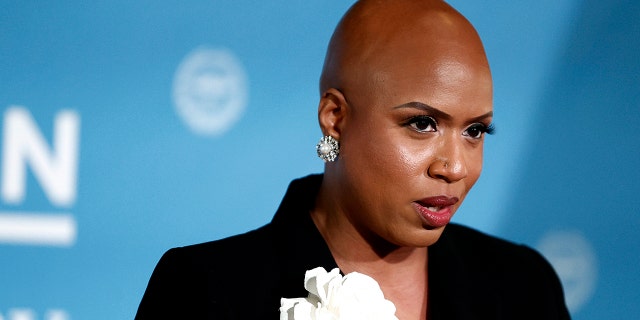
(328, 149)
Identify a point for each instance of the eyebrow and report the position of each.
(438, 113)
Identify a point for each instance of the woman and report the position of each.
(406, 100)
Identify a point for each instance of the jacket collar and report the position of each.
(300, 246)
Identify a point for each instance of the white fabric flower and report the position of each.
(334, 297)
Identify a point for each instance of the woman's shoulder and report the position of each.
(471, 244)
(491, 254)
(208, 278)
(229, 251)
(496, 274)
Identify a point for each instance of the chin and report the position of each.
(432, 237)
(422, 238)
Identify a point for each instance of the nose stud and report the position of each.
(445, 162)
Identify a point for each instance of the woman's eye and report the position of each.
(476, 130)
(423, 124)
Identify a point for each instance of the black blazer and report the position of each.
(471, 275)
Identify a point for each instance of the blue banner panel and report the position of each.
(130, 127)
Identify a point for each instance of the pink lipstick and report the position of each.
(437, 211)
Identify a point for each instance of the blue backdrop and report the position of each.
(129, 127)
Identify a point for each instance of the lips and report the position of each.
(437, 211)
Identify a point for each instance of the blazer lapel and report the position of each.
(454, 292)
(300, 244)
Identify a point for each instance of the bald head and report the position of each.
(407, 92)
(377, 39)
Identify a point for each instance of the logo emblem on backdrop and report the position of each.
(573, 258)
(210, 90)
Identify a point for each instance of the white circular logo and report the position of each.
(210, 90)
(574, 259)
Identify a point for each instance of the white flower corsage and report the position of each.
(334, 297)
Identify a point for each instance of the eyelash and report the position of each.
(431, 122)
(488, 129)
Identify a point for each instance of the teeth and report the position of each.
(434, 208)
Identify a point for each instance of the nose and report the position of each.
(448, 163)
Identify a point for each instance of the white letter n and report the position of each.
(55, 170)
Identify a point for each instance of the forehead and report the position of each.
(436, 55)
(439, 71)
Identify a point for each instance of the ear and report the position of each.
(332, 112)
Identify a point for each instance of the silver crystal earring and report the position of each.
(328, 149)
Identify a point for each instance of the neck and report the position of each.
(360, 250)
(354, 251)
(401, 272)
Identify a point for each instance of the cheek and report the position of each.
(415, 156)
(393, 155)
(374, 155)
(379, 157)
(474, 165)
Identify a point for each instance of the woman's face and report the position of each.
(411, 142)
